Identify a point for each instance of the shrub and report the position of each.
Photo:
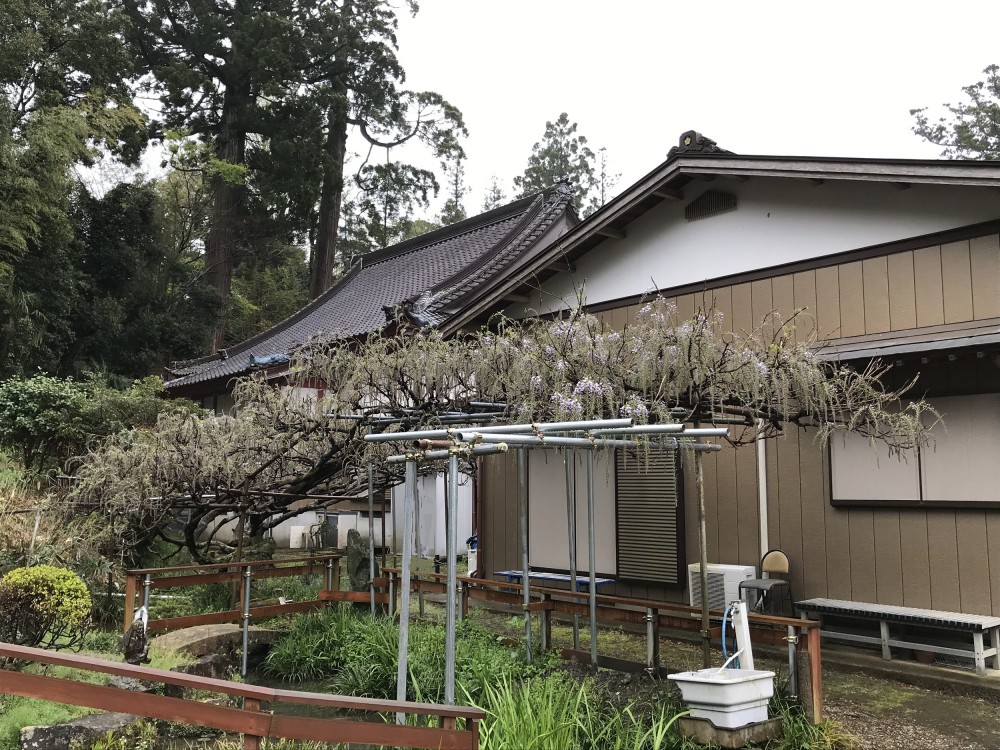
(43, 606)
(313, 648)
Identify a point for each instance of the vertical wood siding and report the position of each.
(940, 558)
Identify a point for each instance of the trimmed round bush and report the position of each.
(44, 606)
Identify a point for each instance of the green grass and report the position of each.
(17, 713)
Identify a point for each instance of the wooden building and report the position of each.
(898, 259)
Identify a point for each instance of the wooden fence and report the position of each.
(141, 582)
(251, 720)
(652, 614)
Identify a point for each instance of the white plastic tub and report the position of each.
(729, 698)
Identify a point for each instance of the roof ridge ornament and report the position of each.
(693, 142)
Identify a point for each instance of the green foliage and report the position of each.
(799, 733)
(313, 648)
(102, 641)
(267, 288)
(17, 713)
(50, 419)
(562, 154)
(971, 129)
(43, 606)
(40, 416)
(567, 715)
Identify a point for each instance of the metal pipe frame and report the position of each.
(522, 517)
(246, 621)
(570, 461)
(592, 550)
(678, 430)
(371, 536)
(478, 450)
(452, 551)
(583, 424)
(409, 500)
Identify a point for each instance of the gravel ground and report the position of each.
(883, 713)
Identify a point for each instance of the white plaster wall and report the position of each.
(548, 528)
(777, 221)
(432, 513)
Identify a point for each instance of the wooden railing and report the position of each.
(140, 582)
(652, 614)
(250, 720)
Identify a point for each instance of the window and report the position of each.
(961, 466)
(650, 515)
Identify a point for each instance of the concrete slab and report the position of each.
(203, 640)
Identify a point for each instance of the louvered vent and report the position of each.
(650, 517)
(710, 203)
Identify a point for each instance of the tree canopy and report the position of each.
(281, 449)
(971, 129)
(562, 154)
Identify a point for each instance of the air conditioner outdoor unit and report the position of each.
(723, 583)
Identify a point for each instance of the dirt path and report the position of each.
(884, 713)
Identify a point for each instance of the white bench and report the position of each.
(582, 579)
(886, 615)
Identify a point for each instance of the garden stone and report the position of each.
(131, 683)
(85, 731)
(358, 570)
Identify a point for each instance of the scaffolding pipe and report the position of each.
(592, 551)
(245, 616)
(452, 544)
(479, 450)
(579, 425)
(475, 436)
(586, 424)
(409, 500)
(371, 536)
(522, 512)
(678, 430)
(570, 461)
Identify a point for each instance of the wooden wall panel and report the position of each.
(888, 557)
(828, 302)
(852, 299)
(927, 284)
(838, 542)
(742, 309)
(973, 569)
(685, 306)
(956, 280)
(914, 559)
(789, 479)
(942, 544)
(875, 279)
(729, 510)
(804, 298)
(747, 504)
(761, 301)
(711, 506)
(783, 295)
(861, 522)
(984, 260)
(993, 558)
(902, 293)
(814, 502)
(722, 300)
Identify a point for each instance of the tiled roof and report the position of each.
(440, 266)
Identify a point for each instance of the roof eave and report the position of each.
(666, 183)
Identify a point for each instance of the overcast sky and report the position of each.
(786, 78)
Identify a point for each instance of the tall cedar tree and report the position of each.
(972, 130)
(561, 154)
(274, 86)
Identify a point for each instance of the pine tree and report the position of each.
(972, 131)
(561, 154)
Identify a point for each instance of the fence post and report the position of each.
(653, 641)
(463, 602)
(130, 586)
(329, 580)
(251, 741)
(546, 624)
